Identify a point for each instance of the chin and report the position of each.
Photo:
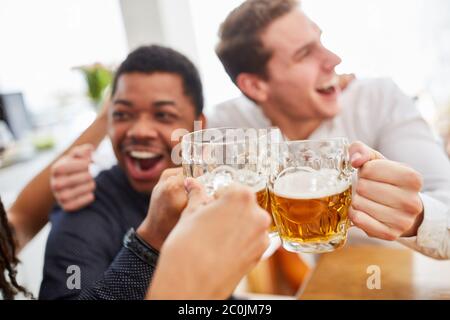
(332, 110)
(326, 108)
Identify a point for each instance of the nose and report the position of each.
(142, 128)
(331, 60)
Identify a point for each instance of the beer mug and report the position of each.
(218, 157)
(268, 141)
(310, 191)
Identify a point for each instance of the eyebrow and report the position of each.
(300, 50)
(126, 103)
(162, 103)
(156, 104)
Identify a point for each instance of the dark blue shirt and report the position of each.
(91, 240)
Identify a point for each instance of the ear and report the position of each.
(253, 86)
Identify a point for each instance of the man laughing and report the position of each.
(156, 90)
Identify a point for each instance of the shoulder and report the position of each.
(117, 207)
(115, 176)
(376, 101)
(94, 220)
(381, 92)
(237, 112)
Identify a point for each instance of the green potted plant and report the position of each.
(98, 77)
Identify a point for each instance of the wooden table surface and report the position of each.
(404, 274)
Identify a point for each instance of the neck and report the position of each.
(293, 129)
(298, 130)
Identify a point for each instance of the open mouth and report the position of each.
(144, 165)
(329, 88)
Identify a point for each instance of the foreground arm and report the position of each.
(29, 213)
(212, 246)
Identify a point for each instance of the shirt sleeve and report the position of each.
(405, 137)
(433, 235)
(127, 278)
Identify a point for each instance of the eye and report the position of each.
(165, 116)
(303, 54)
(121, 116)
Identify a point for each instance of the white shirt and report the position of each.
(377, 113)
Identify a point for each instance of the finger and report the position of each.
(393, 173)
(70, 166)
(393, 218)
(371, 226)
(78, 203)
(240, 197)
(345, 79)
(360, 154)
(262, 243)
(171, 172)
(389, 195)
(70, 181)
(82, 151)
(259, 243)
(73, 193)
(196, 194)
(236, 193)
(230, 190)
(173, 188)
(264, 219)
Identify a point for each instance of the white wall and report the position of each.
(142, 22)
(207, 17)
(163, 22)
(42, 40)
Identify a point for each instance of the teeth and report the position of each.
(143, 155)
(327, 85)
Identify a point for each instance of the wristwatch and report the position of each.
(140, 248)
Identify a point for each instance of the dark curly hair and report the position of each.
(8, 261)
(154, 58)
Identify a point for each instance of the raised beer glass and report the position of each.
(310, 190)
(220, 156)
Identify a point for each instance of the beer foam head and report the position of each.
(309, 184)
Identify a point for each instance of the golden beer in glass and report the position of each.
(263, 198)
(310, 195)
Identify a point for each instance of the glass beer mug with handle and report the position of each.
(269, 139)
(310, 189)
(218, 157)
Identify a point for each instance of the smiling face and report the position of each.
(146, 109)
(301, 81)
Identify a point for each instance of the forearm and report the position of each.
(29, 213)
(171, 281)
(126, 279)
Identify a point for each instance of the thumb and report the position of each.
(361, 153)
(196, 194)
(83, 151)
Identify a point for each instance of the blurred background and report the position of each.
(56, 57)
